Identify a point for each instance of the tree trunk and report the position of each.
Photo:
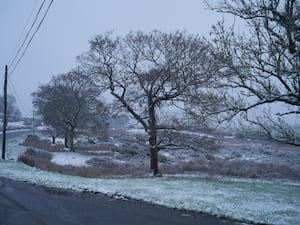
(153, 140)
(154, 161)
(72, 134)
(66, 141)
(67, 134)
(53, 139)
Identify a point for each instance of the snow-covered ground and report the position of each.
(16, 126)
(250, 200)
(271, 203)
(70, 158)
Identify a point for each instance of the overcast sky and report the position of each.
(71, 23)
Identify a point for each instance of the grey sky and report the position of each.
(71, 23)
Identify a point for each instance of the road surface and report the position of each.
(25, 204)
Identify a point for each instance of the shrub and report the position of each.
(36, 142)
(31, 140)
(34, 157)
(27, 160)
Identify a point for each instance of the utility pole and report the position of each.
(4, 114)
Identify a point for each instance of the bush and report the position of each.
(98, 168)
(27, 160)
(36, 142)
(31, 140)
(34, 157)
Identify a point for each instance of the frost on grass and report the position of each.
(272, 203)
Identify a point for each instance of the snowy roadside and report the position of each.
(271, 203)
(265, 202)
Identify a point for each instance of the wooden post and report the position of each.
(4, 115)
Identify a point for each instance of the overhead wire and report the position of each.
(32, 36)
(26, 38)
(27, 34)
(11, 61)
(18, 101)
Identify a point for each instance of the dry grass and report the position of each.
(36, 142)
(35, 158)
(42, 160)
(103, 168)
(234, 168)
(221, 167)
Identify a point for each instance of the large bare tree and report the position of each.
(263, 63)
(146, 71)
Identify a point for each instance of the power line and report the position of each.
(22, 34)
(28, 32)
(28, 38)
(18, 100)
(32, 36)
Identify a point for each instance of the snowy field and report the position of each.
(248, 200)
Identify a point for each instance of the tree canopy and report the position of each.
(68, 103)
(263, 64)
(146, 71)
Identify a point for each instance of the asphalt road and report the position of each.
(25, 204)
(14, 133)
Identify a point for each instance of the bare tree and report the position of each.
(263, 64)
(67, 104)
(13, 111)
(264, 124)
(48, 108)
(145, 72)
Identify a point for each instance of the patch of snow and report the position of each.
(142, 131)
(229, 137)
(79, 160)
(14, 149)
(70, 158)
(100, 152)
(18, 124)
(118, 161)
(59, 140)
(18, 130)
(196, 134)
(136, 131)
(166, 154)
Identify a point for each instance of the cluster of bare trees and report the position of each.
(68, 104)
(210, 81)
